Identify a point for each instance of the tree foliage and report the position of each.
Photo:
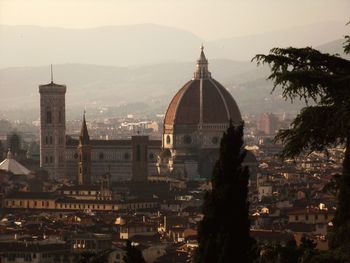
(324, 81)
(223, 234)
(133, 255)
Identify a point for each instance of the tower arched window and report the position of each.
(60, 117)
(48, 117)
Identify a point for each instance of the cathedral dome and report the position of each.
(202, 100)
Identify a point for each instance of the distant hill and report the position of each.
(107, 85)
(111, 45)
(334, 47)
(143, 89)
(143, 44)
(244, 48)
(146, 90)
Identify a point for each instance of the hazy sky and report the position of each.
(209, 19)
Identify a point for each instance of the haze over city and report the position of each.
(187, 131)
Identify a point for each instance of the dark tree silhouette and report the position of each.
(133, 255)
(324, 80)
(223, 234)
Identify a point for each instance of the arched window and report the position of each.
(48, 117)
(60, 116)
(187, 139)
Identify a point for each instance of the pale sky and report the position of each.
(209, 19)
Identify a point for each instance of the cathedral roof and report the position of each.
(11, 165)
(202, 100)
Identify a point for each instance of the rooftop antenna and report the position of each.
(51, 74)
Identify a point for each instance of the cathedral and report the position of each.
(194, 123)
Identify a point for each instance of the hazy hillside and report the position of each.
(244, 48)
(113, 45)
(334, 47)
(107, 85)
(144, 89)
(143, 44)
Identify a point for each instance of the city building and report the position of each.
(268, 123)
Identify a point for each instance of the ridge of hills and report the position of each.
(144, 89)
(144, 44)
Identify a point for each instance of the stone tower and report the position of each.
(84, 150)
(53, 129)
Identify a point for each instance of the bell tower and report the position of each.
(53, 128)
(84, 150)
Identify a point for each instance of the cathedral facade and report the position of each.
(130, 159)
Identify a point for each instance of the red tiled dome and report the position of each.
(214, 105)
(202, 100)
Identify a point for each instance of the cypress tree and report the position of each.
(223, 234)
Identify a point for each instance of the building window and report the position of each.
(51, 141)
(296, 218)
(48, 117)
(187, 139)
(215, 140)
(46, 159)
(51, 159)
(168, 140)
(60, 117)
(138, 153)
(101, 156)
(46, 140)
(307, 217)
(126, 156)
(151, 156)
